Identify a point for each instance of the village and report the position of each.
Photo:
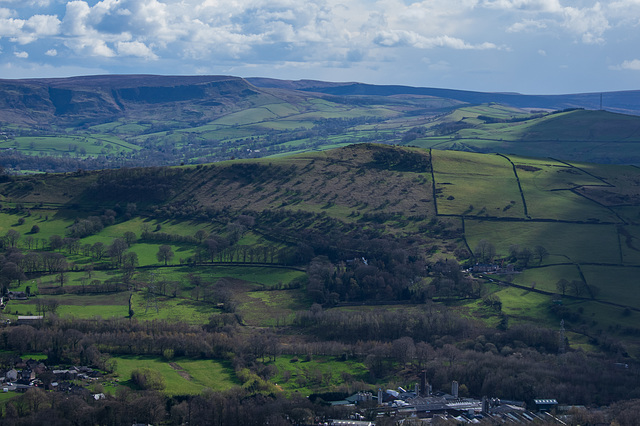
(27, 374)
(420, 404)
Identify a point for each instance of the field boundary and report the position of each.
(515, 172)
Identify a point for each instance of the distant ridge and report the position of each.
(112, 121)
(625, 102)
(108, 97)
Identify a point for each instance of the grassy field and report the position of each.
(565, 242)
(523, 306)
(81, 146)
(547, 189)
(81, 306)
(614, 284)
(270, 308)
(476, 186)
(319, 374)
(545, 278)
(258, 275)
(171, 309)
(586, 136)
(182, 376)
(630, 244)
(46, 221)
(587, 217)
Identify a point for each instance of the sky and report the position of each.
(525, 46)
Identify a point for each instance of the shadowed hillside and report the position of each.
(582, 135)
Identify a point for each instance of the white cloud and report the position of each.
(527, 25)
(21, 55)
(75, 18)
(26, 31)
(90, 47)
(7, 13)
(633, 65)
(51, 52)
(410, 38)
(29, 3)
(589, 23)
(10, 26)
(38, 26)
(528, 5)
(135, 48)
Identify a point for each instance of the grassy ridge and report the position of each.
(578, 135)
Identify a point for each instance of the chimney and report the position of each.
(454, 389)
(423, 383)
(485, 405)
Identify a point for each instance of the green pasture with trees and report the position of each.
(327, 272)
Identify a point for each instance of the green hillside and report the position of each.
(578, 135)
(330, 272)
(100, 122)
(345, 203)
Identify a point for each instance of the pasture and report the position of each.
(614, 284)
(577, 212)
(182, 376)
(270, 308)
(469, 185)
(565, 242)
(524, 306)
(545, 278)
(80, 146)
(316, 374)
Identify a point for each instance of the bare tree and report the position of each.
(165, 254)
(562, 286)
(11, 238)
(540, 252)
(116, 251)
(130, 238)
(484, 251)
(578, 287)
(201, 235)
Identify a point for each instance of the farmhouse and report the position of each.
(485, 268)
(17, 295)
(29, 319)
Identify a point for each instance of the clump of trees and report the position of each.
(92, 225)
(148, 379)
(522, 257)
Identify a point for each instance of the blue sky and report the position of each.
(526, 46)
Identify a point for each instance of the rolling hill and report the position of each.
(324, 272)
(591, 136)
(624, 102)
(97, 122)
(378, 202)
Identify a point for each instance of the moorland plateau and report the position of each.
(317, 239)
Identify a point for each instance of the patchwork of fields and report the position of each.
(585, 216)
